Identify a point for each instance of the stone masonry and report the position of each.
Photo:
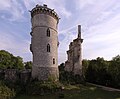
(14, 75)
(44, 42)
(74, 62)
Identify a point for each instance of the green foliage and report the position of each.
(103, 72)
(69, 77)
(98, 69)
(28, 65)
(5, 92)
(34, 87)
(74, 92)
(7, 60)
(114, 70)
(85, 64)
(42, 88)
(51, 78)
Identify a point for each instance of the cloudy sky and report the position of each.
(100, 20)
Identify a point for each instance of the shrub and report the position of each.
(41, 88)
(5, 92)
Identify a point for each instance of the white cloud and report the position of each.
(59, 6)
(29, 4)
(5, 4)
(99, 20)
(94, 11)
(83, 3)
(64, 12)
(102, 39)
(64, 44)
(95, 4)
(19, 48)
(13, 8)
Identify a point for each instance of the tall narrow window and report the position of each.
(48, 32)
(53, 60)
(48, 48)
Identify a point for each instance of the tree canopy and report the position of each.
(7, 60)
(103, 72)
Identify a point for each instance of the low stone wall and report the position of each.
(11, 74)
(25, 75)
(15, 74)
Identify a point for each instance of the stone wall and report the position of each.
(11, 74)
(15, 74)
(74, 62)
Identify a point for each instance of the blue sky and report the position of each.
(100, 20)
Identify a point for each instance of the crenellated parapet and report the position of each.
(44, 10)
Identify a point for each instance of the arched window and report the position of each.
(48, 48)
(48, 32)
(53, 60)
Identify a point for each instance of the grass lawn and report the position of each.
(81, 92)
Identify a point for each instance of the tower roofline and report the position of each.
(44, 10)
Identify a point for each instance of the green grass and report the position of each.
(81, 92)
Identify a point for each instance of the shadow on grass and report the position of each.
(81, 92)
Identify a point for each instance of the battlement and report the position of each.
(44, 10)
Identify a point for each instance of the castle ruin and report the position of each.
(74, 62)
(44, 42)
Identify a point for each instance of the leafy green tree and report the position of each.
(5, 92)
(85, 64)
(97, 72)
(7, 60)
(114, 70)
(90, 74)
(28, 65)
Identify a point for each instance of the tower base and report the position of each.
(45, 73)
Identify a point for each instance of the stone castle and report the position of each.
(44, 45)
(44, 42)
(74, 62)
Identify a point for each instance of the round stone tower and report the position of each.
(44, 43)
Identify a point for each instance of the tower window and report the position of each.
(48, 48)
(53, 60)
(48, 32)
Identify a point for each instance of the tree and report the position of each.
(90, 74)
(85, 64)
(97, 71)
(7, 60)
(5, 92)
(114, 70)
(28, 65)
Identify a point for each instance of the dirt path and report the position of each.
(105, 88)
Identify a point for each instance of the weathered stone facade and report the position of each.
(11, 74)
(44, 42)
(15, 75)
(74, 62)
(25, 75)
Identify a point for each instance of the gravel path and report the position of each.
(105, 88)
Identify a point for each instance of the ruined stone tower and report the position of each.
(74, 62)
(44, 42)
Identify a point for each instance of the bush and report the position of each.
(42, 88)
(5, 92)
